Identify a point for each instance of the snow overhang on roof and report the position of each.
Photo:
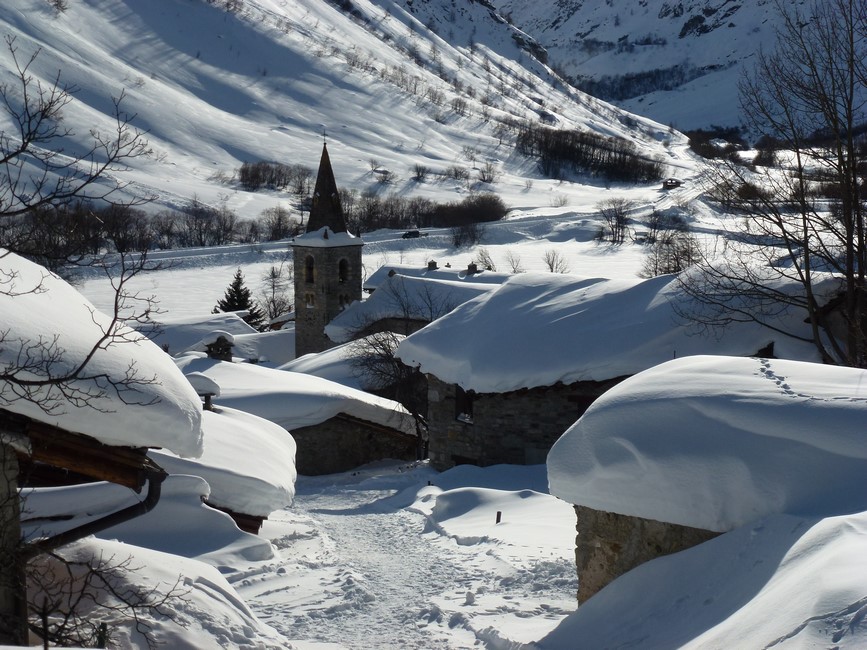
(538, 329)
(718, 442)
(294, 400)
(158, 409)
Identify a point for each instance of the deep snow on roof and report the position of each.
(248, 461)
(42, 313)
(403, 297)
(538, 329)
(344, 364)
(179, 333)
(291, 399)
(718, 442)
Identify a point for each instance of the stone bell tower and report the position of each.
(327, 265)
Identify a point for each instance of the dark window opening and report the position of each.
(342, 270)
(463, 405)
(309, 269)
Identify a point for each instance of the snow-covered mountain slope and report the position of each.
(393, 84)
(677, 61)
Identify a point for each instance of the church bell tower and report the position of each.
(327, 263)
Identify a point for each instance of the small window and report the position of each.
(310, 269)
(463, 405)
(342, 270)
(310, 300)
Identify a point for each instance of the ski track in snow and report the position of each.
(387, 580)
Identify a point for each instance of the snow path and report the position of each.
(384, 578)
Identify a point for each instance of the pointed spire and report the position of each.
(325, 209)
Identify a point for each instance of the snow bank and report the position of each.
(718, 442)
(38, 309)
(469, 516)
(204, 612)
(781, 582)
(179, 524)
(294, 400)
(539, 329)
(248, 462)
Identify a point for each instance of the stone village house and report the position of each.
(509, 371)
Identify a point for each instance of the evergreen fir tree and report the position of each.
(238, 297)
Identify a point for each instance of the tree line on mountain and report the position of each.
(561, 150)
(367, 211)
(633, 84)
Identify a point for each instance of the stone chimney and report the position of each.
(472, 268)
(432, 265)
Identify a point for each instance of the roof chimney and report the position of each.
(432, 265)
(472, 268)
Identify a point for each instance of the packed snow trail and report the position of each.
(360, 570)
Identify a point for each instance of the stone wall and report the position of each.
(329, 292)
(608, 545)
(343, 443)
(517, 427)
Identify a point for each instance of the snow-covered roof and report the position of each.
(273, 347)
(325, 237)
(381, 275)
(181, 332)
(538, 329)
(248, 461)
(404, 297)
(336, 364)
(294, 400)
(37, 308)
(717, 442)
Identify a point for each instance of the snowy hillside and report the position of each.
(392, 84)
(675, 61)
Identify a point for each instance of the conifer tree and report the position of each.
(238, 297)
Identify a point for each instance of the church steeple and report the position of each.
(325, 208)
(328, 269)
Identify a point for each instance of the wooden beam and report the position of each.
(54, 446)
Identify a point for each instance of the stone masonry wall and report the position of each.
(329, 293)
(338, 445)
(608, 545)
(518, 427)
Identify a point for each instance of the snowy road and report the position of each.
(359, 569)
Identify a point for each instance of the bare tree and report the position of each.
(671, 251)
(41, 181)
(467, 234)
(555, 262)
(78, 596)
(34, 171)
(484, 259)
(40, 371)
(514, 261)
(615, 213)
(375, 343)
(806, 221)
(274, 292)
